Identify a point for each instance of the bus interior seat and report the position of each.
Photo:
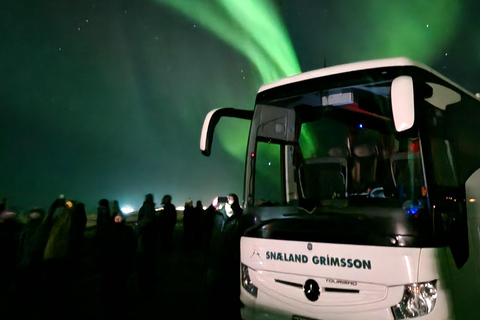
(365, 158)
(325, 176)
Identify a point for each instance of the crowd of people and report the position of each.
(42, 255)
(40, 258)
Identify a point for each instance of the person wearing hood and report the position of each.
(223, 285)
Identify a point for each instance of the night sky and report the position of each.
(106, 99)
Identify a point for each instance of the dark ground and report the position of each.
(179, 293)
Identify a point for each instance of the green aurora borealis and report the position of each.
(253, 28)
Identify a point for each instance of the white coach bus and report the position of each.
(362, 190)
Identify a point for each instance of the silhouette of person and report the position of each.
(197, 224)
(147, 231)
(104, 220)
(10, 229)
(118, 266)
(30, 262)
(207, 227)
(62, 255)
(168, 220)
(103, 223)
(223, 286)
(188, 223)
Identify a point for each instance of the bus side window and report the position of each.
(450, 204)
(268, 171)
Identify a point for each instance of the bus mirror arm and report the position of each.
(211, 120)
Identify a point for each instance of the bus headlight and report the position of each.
(247, 283)
(418, 300)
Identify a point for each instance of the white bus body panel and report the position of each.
(346, 292)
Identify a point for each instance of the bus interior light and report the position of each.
(337, 99)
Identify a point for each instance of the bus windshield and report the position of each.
(348, 160)
(344, 161)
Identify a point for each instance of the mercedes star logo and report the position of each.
(311, 290)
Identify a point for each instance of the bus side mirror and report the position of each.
(403, 106)
(211, 121)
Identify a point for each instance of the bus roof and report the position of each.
(356, 66)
